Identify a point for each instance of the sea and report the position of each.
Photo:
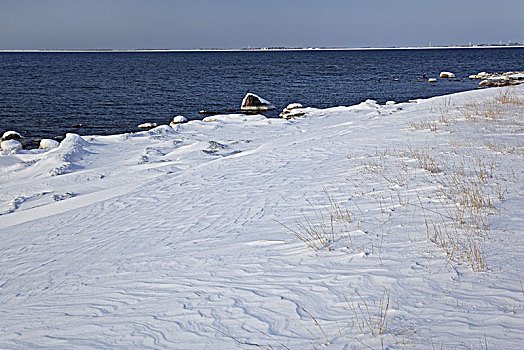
(48, 94)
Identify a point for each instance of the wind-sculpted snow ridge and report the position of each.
(181, 238)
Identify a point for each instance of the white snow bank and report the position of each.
(165, 239)
(64, 158)
(235, 118)
(162, 130)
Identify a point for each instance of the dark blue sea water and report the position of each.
(49, 94)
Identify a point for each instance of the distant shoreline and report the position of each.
(270, 49)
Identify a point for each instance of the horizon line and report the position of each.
(266, 49)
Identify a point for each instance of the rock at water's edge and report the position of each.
(292, 111)
(147, 126)
(445, 75)
(252, 102)
(10, 145)
(179, 119)
(13, 135)
(293, 106)
(48, 144)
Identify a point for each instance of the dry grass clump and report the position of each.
(378, 320)
(388, 165)
(459, 239)
(500, 146)
(374, 319)
(471, 186)
(509, 96)
(425, 161)
(504, 110)
(459, 223)
(325, 226)
(478, 112)
(426, 124)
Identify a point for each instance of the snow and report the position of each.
(176, 238)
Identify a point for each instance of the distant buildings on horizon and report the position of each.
(279, 48)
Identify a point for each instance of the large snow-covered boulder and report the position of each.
(13, 135)
(10, 145)
(254, 103)
(445, 75)
(48, 144)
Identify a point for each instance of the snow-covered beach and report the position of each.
(185, 237)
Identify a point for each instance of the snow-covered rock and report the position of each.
(13, 135)
(480, 75)
(179, 119)
(517, 76)
(292, 114)
(161, 130)
(254, 103)
(498, 82)
(10, 145)
(293, 106)
(146, 125)
(48, 143)
(290, 111)
(445, 75)
(499, 79)
(207, 112)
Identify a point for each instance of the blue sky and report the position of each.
(184, 24)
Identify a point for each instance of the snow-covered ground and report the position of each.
(182, 238)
